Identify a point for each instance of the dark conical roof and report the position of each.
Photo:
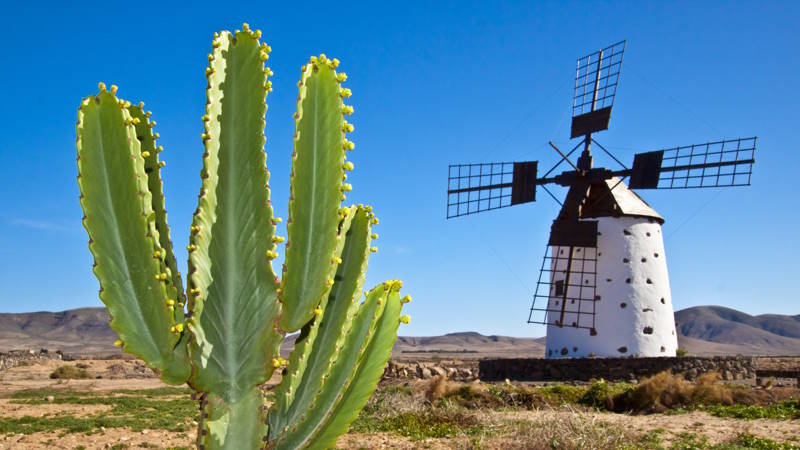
(612, 198)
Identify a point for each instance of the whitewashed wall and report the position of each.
(633, 313)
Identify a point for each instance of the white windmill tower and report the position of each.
(603, 289)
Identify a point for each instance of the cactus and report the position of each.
(222, 335)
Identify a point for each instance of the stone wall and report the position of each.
(614, 369)
(15, 358)
(460, 370)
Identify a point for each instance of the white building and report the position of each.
(618, 301)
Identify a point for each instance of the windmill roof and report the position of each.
(612, 198)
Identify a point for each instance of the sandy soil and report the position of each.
(37, 376)
(716, 429)
(102, 440)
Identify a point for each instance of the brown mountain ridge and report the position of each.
(702, 330)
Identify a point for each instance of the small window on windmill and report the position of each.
(559, 288)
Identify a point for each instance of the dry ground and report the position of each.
(546, 426)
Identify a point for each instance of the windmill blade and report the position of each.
(474, 188)
(596, 82)
(714, 164)
(566, 293)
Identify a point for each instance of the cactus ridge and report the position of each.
(233, 311)
(118, 216)
(222, 335)
(320, 343)
(152, 167)
(302, 432)
(365, 379)
(303, 346)
(318, 160)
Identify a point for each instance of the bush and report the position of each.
(69, 373)
(601, 394)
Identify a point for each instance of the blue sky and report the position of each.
(433, 84)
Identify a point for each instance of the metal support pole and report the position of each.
(566, 287)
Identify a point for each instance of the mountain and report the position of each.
(719, 330)
(702, 330)
(83, 330)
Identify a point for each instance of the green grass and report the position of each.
(690, 441)
(134, 409)
(417, 426)
(785, 410)
(155, 392)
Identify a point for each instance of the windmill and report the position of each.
(603, 288)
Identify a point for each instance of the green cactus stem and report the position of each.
(223, 334)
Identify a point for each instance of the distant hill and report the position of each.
(702, 330)
(83, 330)
(720, 330)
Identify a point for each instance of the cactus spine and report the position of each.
(222, 335)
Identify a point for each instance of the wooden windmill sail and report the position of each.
(603, 287)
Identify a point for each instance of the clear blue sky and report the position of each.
(434, 83)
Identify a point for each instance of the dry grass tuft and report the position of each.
(69, 373)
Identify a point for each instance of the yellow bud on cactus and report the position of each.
(179, 328)
(405, 319)
(348, 166)
(349, 145)
(373, 249)
(405, 299)
(145, 154)
(118, 343)
(345, 92)
(317, 312)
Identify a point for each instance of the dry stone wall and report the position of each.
(15, 358)
(730, 368)
(466, 370)
(615, 369)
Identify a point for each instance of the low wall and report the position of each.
(15, 358)
(460, 370)
(614, 369)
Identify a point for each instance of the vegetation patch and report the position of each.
(70, 373)
(137, 410)
(784, 410)
(743, 441)
(431, 423)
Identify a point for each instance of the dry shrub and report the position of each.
(69, 373)
(666, 390)
(437, 388)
